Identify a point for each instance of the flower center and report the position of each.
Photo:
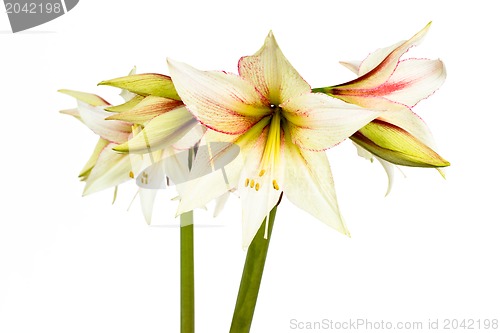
(271, 155)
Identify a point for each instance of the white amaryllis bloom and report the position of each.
(282, 129)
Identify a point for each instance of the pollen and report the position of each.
(262, 172)
(252, 183)
(247, 181)
(257, 186)
(131, 174)
(275, 185)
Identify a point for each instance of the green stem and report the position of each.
(251, 278)
(187, 273)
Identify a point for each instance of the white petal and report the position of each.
(191, 138)
(220, 203)
(147, 197)
(317, 121)
(223, 102)
(388, 167)
(256, 205)
(200, 191)
(95, 118)
(353, 66)
(309, 185)
(272, 74)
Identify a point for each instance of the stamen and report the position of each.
(131, 174)
(257, 186)
(252, 183)
(262, 172)
(247, 181)
(275, 185)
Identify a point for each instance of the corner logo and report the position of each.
(26, 14)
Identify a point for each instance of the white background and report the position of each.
(72, 264)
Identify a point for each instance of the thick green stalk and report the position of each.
(187, 273)
(251, 278)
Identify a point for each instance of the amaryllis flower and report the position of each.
(282, 129)
(387, 82)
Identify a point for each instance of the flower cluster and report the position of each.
(281, 126)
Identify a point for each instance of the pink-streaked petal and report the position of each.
(375, 58)
(380, 73)
(309, 185)
(272, 74)
(223, 102)
(318, 122)
(414, 80)
(95, 119)
(147, 109)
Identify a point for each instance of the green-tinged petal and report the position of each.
(318, 121)
(125, 94)
(72, 112)
(161, 131)
(101, 144)
(396, 145)
(309, 185)
(412, 123)
(272, 74)
(145, 84)
(223, 102)
(95, 119)
(147, 109)
(90, 99)
(111, 169)
(127, 105)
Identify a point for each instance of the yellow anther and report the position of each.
(247, 182)
(257, 186)
(275, 185)
(262, 172)
(252, 183)
(131, 174)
